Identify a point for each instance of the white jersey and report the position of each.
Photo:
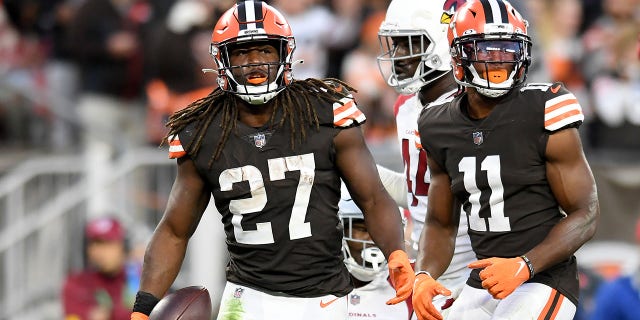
(369, 302)
(407, 110)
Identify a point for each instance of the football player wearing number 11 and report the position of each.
(511, 154)
(272, 151)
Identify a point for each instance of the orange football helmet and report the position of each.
(490, 48)
(248, 22)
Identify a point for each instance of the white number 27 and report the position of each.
(497, 222)
(277, 167)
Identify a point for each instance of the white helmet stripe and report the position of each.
(495, 11)
(251, 12)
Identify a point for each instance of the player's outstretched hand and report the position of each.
(424, 290)
(501, 276)
(139, 316)
(402, 276)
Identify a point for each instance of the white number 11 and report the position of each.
(497, 222)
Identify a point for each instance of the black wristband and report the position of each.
(145, 302)
(529, 265)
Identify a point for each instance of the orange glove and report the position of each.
(424, 290)
(401, 274)
(139, 316)
(502, 275)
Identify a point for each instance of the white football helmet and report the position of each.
(253, 22)
(373, 260)
(423, 24)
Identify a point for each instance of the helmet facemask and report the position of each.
(363, 258)
(393, 62)
(237, 79)
(492, 64)
(370, 261)
(424, 25)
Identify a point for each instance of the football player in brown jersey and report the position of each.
(511, 154)
(271, 150)
(415, 61)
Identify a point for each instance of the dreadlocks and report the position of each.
(294, 101)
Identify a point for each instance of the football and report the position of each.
(189, 303)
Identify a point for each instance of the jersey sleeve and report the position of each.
(176, 150)
(179, 142)
(561, 109)
(346, 113)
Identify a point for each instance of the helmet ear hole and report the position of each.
(458, 70)
(222, 82)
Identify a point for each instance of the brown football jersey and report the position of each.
(497, 168)
(279, 204)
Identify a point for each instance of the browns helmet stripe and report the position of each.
(495, 11)
(250, 15)
(257, 9)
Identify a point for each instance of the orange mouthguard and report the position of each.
(257, 80)
(497, 76)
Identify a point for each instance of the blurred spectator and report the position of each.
(43, 75)
(561, 53)
(317, 29)
(61, 75)
(108, 47)
(619, 299)
(560, 40)
(613, 73)
(23, 103)
(374, 96)
(106, 288)
(357, 11)
(590, 281)
(179, 52)
(616, 93)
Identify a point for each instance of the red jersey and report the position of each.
(89, 289)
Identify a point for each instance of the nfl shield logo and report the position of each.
(354, 299)
(238, 293)
(477, 138)
(260, 140)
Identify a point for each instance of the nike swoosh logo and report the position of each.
(325, 304)
(555, 88)
(522, 265)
